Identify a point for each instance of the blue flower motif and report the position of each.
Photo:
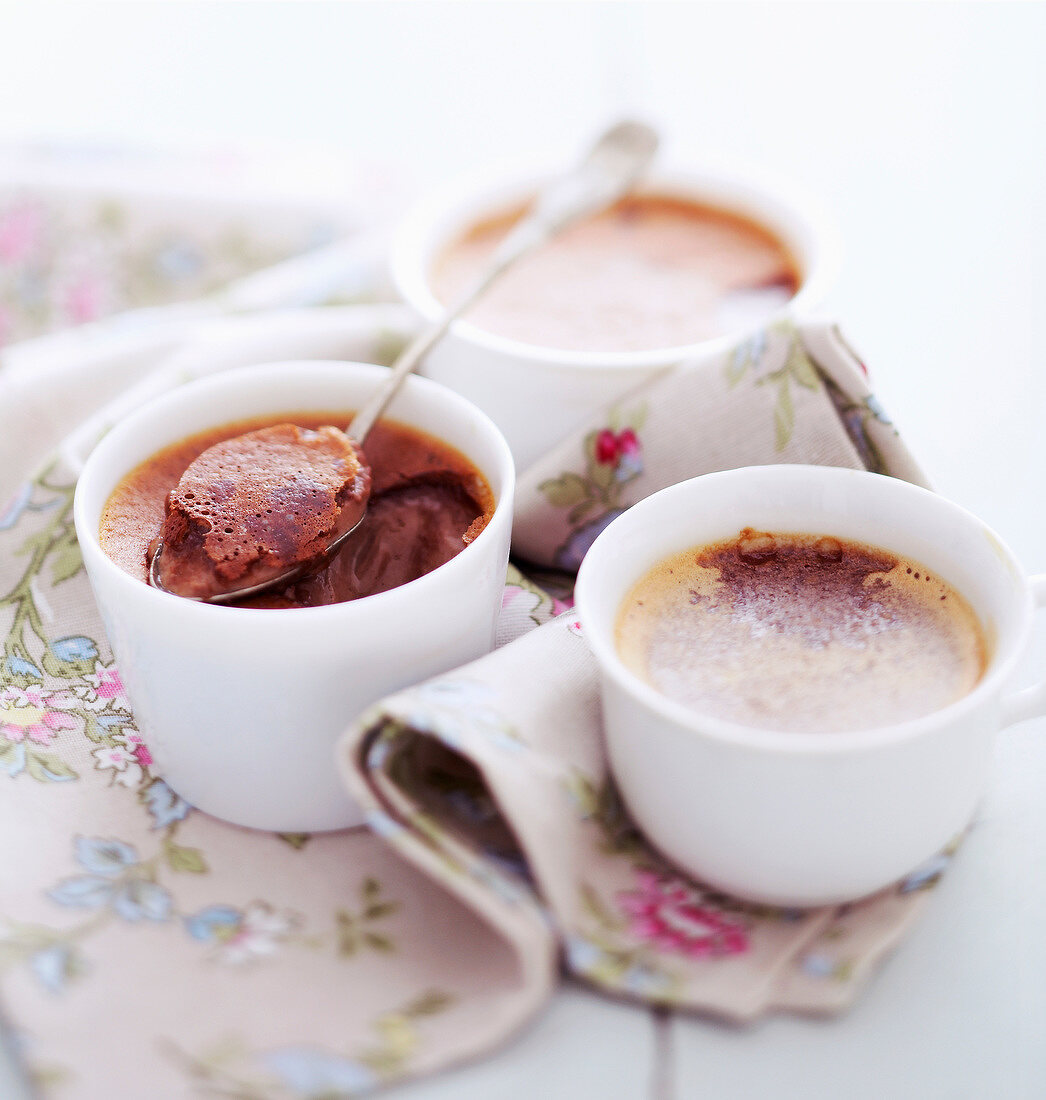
(142, 900)
(53, 966)
(817, 966)
(19, 666)
(11, 513)
(927, 875)
(383, 825)
(134, 899)
(165, 806)
(83, 892)
(871, 403)
(628, 467)
(571, 553)
(109, 722)
(308, 1072)
(178, 261)
(75, 648)
(751, 350)
(54, 777)
(14, 759)
(644, 982)
(582, 956)
(213, 923)
(104, 856)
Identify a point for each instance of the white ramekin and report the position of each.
(241, 707)
(535, 394)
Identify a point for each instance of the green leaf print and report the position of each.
(757, 357)
(784, 414)
(183, 859)
(67, 561)
(565, 491)
(356, 930)
(46, 767)
(736, 369)
(296, 840)
(801, 368)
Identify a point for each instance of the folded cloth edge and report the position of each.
(818, 959)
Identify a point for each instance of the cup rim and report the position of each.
(798, 219)
(693, 723)
(238, 379)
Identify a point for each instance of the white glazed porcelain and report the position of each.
(795, 818)
(536, 395)
(241, 707)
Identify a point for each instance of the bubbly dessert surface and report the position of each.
(427, 503)
(801, 632)
(650, 272)
(250, 508)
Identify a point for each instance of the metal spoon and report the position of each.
(610, 168)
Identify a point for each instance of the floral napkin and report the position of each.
(494, 780)
(148, 949)
(785, 395)
(494, 777)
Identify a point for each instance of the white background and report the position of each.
(921, 127)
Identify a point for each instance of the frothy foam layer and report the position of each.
(801, 632)
(651, 272)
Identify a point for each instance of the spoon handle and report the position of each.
(612, 166)
(409, 358)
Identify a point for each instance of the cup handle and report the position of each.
(1029, 702)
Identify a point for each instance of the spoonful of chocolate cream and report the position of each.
(263, 509)
(258, 510)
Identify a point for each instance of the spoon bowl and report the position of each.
(303, 569)
(241, 707)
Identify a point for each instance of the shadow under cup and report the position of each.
(795, 818)
(241, 707)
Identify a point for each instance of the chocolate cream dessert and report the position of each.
(426, 503)
(250, 509)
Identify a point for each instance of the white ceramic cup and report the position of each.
(241, 707)
(806, 818)
(537, 395)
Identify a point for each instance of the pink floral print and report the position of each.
(83, 300)
(672, 916)
(19, 231)
(104, 689)
(594, 497)
(611, 448)
(126, 756)
(33, 714)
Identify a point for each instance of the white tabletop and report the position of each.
(921, 126)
